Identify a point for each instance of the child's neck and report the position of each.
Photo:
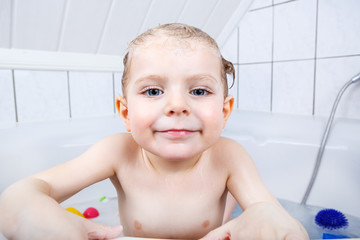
(170, 166)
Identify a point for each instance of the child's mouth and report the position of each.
(178, 133)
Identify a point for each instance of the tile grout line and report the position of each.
(299, 59)
(113, 85)
(315, 56)
(14, 92)
(272, 58)
(69, 95)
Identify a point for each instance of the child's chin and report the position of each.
(178, 155)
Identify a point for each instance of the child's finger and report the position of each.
(100, 231)
(293, 236)
(220, 233)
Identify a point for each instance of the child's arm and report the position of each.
(263, 216)
(27, 212)
(30, 208)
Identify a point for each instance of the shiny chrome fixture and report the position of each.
(325, 137)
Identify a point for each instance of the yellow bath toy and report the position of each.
(74, 211)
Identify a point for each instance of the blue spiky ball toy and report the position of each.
(331, 219)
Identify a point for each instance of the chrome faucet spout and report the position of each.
(356, 78)
(325, 137)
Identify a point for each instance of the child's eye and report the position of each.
(152, 92)
(199, 92)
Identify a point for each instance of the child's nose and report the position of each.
(177, 105)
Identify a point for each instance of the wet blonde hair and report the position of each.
(180, 32)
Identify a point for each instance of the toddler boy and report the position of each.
(172, 171)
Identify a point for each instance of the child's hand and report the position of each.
(260, 221)
(100, 231)
(27, 212)
(67, 226)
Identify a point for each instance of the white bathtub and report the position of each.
(284, 148)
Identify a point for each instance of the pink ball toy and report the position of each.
(91, 213)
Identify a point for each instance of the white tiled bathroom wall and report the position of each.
(41, 95)
(36, 95)
(7, 106)
(291, 56)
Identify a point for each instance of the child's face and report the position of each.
(175, 105)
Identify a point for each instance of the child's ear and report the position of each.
(227, 109)
(121, 106)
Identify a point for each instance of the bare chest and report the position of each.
(180, 207)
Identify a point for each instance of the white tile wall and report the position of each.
(7, 102)
(294, 30)
(91, 94)
(331, 75)
(41, 95)
(255, 87)
(46, 95)
(293, 87)
(339, 28)
(312, 44)
(255, 41)
(117, 82)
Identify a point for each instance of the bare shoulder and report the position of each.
(115, 147)
(119, 140)
(231, 154)
(229, 147)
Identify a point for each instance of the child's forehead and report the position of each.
(174, 44)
